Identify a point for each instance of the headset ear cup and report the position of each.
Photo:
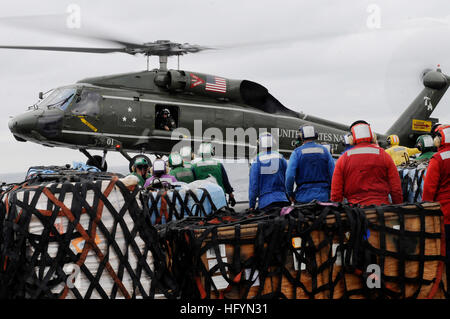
(350, 140)
(437, 141)
(374, 138)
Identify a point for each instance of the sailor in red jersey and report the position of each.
(436, 186)
(365, 174)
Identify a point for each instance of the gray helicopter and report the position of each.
(123, 112)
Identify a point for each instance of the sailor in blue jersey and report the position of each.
(267, 176)
(311, 167)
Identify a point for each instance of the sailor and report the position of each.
(365, 174)
(187, 155)
(159, 173)
(425, 145)
(165, 121)
(436, 186)
(141, 170)
(267, 177)
(311, 168)
(177, 169)
(206, 166)
(400, 154)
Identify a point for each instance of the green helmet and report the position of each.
(175, 160)
(140, 161)
(425, 143)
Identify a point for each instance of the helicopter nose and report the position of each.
(22, 124)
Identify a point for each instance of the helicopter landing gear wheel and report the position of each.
(136, 157)
(97, 162)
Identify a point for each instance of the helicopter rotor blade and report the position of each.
(56, 23)
(67, 49)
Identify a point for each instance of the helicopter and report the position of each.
(120, 112)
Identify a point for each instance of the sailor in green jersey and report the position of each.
(426, 146)
(141, 170)
(207, 166)
(177, 169)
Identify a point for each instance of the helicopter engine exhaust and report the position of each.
(241, 91)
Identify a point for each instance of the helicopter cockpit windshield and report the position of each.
(59, 98)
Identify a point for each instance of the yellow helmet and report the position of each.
(393, 140)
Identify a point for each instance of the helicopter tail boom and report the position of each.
(416, 120)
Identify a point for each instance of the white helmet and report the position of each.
(205, 150)
(266, 140)
(186, 152)
(159, 166)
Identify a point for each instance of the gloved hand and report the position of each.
(231, 200)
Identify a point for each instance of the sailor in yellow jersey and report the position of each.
(400, 154)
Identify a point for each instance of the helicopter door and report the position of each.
(85, 112)
(160, 121)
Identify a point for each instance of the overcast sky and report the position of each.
(341, 60)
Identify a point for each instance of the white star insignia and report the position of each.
(134, 120)
(130, 109)
(124, 119)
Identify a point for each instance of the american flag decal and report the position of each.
(216, 84)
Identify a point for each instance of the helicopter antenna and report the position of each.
(148, 63)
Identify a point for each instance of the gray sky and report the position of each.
(338, 69)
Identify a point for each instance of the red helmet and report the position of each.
(361, 132)
(442, 135)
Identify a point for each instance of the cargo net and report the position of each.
(59, 174)
(172, 204)
(316, 252)
(412, 177)
(79, 240)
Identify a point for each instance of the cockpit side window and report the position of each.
(87, 104)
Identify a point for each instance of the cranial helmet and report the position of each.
(186, 152)
(165, 111)
(424, 143)
(442, 136)
(140, 161)
(307, 132)
(265, 140)
(205, 150)
(159, 167)
(361, 132)
(175, 160)
(393, 140)
(434, 129)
